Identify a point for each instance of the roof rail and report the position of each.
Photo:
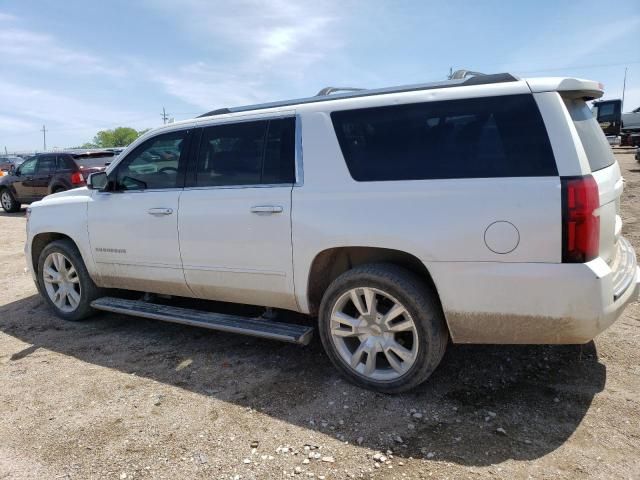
(330, 90)
(460, 74)
(471, 78)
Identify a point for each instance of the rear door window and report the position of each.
(247, 153)
(231, 154)
(471, 138)
(46, 165)
(279, 155)
(592, 137)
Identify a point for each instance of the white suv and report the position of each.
(481, 210)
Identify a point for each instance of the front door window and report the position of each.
(154, 164)
(28, 167)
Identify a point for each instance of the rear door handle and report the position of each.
(266, 209)
(158, 212)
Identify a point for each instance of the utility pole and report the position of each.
(44, 138)
(164, 116)
(624, 87)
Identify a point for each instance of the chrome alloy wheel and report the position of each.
(374, 334)
(6, 200)
(61, 282)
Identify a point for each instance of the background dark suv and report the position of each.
(47, 173)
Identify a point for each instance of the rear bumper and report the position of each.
(615, 310)
(509, 303)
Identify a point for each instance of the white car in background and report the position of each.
(476, 210)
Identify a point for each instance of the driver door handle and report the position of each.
(266, 209)
(159, 212)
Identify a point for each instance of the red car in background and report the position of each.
(47, 173)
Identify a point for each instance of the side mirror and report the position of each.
(13, 170)
(97, 181)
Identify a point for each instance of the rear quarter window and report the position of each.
(592, 137)
(94, 161)
(471, 138)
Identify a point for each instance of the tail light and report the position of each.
(580, 224)
(77, 178)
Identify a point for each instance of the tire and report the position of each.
(8, 201)
(71, 307)
(422, 334)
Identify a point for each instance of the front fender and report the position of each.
(62, 215)
(8, 185)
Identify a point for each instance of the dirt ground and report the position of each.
(119, 397)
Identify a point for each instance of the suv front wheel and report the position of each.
(65, 282)
(382, 327)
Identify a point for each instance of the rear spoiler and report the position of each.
(567, 87)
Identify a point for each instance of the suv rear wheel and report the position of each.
(382, 327)
(65, 282)
(9, 203)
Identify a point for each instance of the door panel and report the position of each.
(134, 246)
(45, 169)
(235, 252)
(235, 221)
(133, 228)
(23, 186)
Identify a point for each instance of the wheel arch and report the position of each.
(60, 186)
(41, 240)
(8, 186)
(328, 264)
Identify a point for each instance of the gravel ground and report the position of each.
(119, 397)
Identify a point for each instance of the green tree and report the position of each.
(118, 137)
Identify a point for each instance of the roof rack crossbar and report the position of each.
(330, 90)
(218, 111)
(460, 74)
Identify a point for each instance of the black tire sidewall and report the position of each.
(88, 289)
(422, 305)
(15, 206)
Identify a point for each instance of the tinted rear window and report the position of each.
(94, 160)
(247, 153)
(471, 138)
(591, 135)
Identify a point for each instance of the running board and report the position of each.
(256, 327)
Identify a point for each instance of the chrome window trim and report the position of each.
(228, 187)
(172, 189)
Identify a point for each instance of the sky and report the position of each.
(78, 67)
